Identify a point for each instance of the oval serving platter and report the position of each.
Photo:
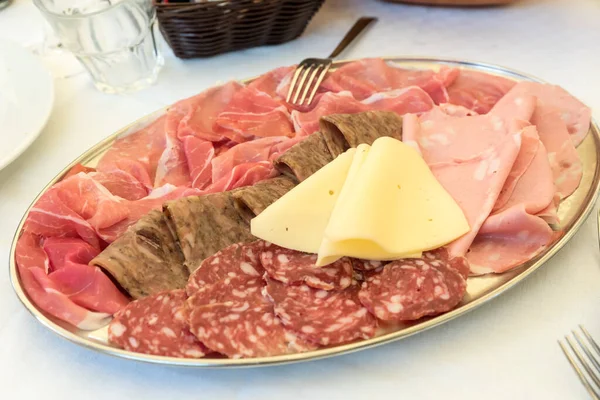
(572, 212)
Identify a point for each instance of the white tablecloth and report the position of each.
(504, 350)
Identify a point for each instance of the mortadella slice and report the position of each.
(482, 147)
(508, 239)
(146, 259)
(562, 154)
(576, 115)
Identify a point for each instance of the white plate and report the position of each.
(26, 98)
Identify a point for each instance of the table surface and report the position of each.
(505, 349)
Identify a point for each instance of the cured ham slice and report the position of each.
(50, 217)
(172, 167)
(85, 285)
(76, 207)
(139, 150)
(80, 207)
(403, 101)
(245, 174)
(196, 115)
(137, 209)
(275, 83)
(478, 91)
(33, 264)
(249, 152)
(252, 113)
(369, 76)
(199, 154)
(123, 184)
(576, 115)
(330, 103)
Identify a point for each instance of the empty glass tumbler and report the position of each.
(113, 39)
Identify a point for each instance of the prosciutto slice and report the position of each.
(478, 91)
(402, 101)
(275, 83)
(369, 76)
(46, 289)
(252, 113)
(256, 151)
(196, 115)
(137, 153)
(199, 154)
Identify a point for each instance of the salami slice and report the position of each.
(367, 265)
(237, 259)
(294, 267)
(409, 289)
(233, 318)
(155, 325)
(320, 316)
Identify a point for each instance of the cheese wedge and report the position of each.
(298, 219)
(392, 207)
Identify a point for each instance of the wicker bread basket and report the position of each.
(212, 27)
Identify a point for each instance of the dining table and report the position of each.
(505, 349)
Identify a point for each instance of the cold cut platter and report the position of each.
(232, 229)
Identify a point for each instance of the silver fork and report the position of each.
(310, 72)
(584, 357)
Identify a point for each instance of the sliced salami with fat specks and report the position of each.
(405, 290)
(155, 325)
(294, 267)
(367, 265)
(233, 318)
(319, 316)
(237, 259)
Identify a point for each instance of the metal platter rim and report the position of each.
(587, 204)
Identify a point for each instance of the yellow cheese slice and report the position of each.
(393, 207)
(298, 219)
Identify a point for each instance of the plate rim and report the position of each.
(24, 145)
(537, 263)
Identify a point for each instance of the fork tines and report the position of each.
(306, 80)
(583, 353)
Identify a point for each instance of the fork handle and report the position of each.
(358, 27)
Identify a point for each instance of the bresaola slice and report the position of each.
(320, 316)
(293, 268)
(409, 289)
(155, 325)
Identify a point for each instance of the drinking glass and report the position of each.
(113, 39)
